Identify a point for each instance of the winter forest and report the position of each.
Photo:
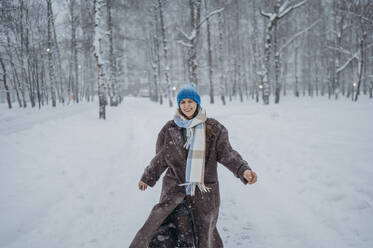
(64, 52)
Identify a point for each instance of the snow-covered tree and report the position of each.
(165, 51)
(99, 51)
(279, 12)
(51, 52)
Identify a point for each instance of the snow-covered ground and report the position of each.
(69, 180)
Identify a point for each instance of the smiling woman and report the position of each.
(189, 148)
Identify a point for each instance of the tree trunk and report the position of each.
(50, 53)
(361, 64)
(257, 63)
(157, 73)
(5, 83)
(165, 50)
(39, 75)
(22, 56)
(74, 71)
(277, 65)
(209, 56)
(98, 52)
(296, 90)
(114, 97)
(157, 57)
(239, 51)
(195, 10)
(221, 60)
(153, 39)
(267, 52)
(60, 87)
(16, 83)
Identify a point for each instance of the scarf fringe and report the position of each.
(203, 188)
(192, 187)
(189, 135)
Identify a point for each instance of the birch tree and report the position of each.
(50, 52)
(4, 74)
(99, 55)
(279, 12)
(190, 41)
(359, 17)
(112, 79)
(258, 61)
(89, 66)
(361, 12)
(73, 89)
(156, 54)
(209, 55)
(48, 57)
(222, 79)
(165, 51)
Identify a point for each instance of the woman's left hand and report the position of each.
(250, 176)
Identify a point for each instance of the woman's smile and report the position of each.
(188, 107)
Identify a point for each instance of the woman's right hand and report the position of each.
(142, 185)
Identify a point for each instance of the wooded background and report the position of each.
(60, 52)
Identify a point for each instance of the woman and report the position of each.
(189, 146)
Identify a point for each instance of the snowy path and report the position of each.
(68, 179)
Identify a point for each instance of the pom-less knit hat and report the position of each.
(188, 91)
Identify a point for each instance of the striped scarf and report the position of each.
(196, 143)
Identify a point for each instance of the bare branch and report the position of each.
(357, 15)
(188, 37)
(193, 33)
(209, 15)
(268, 15)
(284, 5)
(347, 62)
(354, 56)
(341, 49)
(285, 12)
(298, 34)
(184, 44)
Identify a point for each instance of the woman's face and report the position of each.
(188, 107)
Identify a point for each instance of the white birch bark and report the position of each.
(99, 55)
(279, 12)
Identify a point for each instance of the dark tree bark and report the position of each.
(360, 63)
(114, 94)
(5, 83)
(50, 51)
(209, 56)
(165, 52)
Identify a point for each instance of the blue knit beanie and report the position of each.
(188, 91)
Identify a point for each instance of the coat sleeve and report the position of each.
(229, 157)
(158, 164)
